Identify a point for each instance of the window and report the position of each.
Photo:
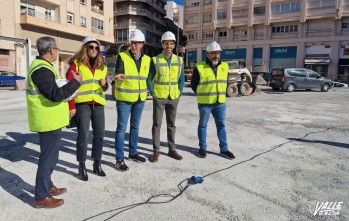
(221, 15)
(83, 21)
(83, 2)
(192, 36)
(70, 17)
(222, 34)
(27, 8)
(48, 14)
(313, 74)
(258, 11)
(122, 35)
(297, 73)
(286, 7)
(284, 29)
(345, 25)
(97, 24)
(207, 35)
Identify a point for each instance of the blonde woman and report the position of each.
(89, 103)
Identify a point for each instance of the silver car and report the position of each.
(290, 79)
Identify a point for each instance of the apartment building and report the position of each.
(145, 15)
(272, 33)
(175, 13)
(22, 22)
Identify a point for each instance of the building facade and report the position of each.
(68, 21)
(175, 13)
(266, 34)
(145, 15)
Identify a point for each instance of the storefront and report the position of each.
(283, 57)
(257, 59)
(238, 54)
(192, 58)
(343, 65)
(317, 58)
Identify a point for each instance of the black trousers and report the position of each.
(50, 143)
(84, 114)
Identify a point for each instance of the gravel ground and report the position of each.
(292, 152)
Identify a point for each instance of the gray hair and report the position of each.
(44, 44)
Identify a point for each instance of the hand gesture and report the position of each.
(72, 113)
(120, 77)
(103, 82)
(77, 76)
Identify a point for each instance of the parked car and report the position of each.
(290, 79)
(8, 79)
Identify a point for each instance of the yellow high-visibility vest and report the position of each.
(166, 77)
(91, 88)
(44, 115)
(135, 84)
(212, 88)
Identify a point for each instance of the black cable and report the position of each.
(190, 181)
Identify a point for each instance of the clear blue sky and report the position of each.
(179, 2)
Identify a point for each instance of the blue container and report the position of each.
(9, 81)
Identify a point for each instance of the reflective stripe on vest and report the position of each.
(91, 88)
(212, 88)
(167, 77)
(135, 84)
(44, 115)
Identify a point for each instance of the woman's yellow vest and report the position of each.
(166, 77)
(212, 88)
(91, 88)
(43, 114)
(135, 84)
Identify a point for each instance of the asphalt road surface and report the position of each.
(292, 154)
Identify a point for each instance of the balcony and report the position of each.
(192, 41)
(133, 11)
(159, 20)
(284, 35)
(156, 6)
(222, 39)
(259, 36)
(321, 12)
(128, 24)
(258, 18)
(345, 32)
(240, 38)
(39, 15)
(207, 40)
(286, 16)
(31, 18)
(239, 20)
(320, 33)
(97, 31)
(240, 3)
(97, 9)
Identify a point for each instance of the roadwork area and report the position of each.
(292, 154)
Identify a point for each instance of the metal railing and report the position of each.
(97, 31)
(319, 33)
(283, 35)
(240, 38)
(40, 15)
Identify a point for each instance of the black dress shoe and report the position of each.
(82, 172)
(97, 168)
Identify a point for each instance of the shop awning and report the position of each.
(317, 61)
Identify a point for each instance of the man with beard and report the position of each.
(209, 82)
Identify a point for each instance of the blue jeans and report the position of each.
(123, 110)
(218, 113)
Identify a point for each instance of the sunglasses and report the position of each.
(91, 47)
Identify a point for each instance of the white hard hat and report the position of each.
(213, 46)
(137, 35)
(168, 36)
(89, 39)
